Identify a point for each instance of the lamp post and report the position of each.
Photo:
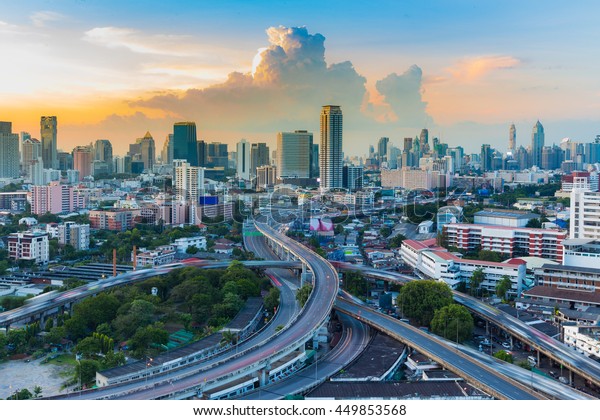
(78, 358)
(149, 361)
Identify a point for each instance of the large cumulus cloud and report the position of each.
(287, 88)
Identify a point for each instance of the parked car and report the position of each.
(506, 345)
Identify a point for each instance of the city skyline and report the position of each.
(463, 70)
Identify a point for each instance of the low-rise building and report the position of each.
(29, 246)
(160, 256)
(182, 244)
(511, 218)
(585, 339)
(76, 235)
(113, 219)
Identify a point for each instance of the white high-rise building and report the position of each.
(330, 154)
(294, 154)
(584, 211)
(244, 166)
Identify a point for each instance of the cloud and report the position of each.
(403, 94)
(289, 82)
(477, 67)
(39, 19)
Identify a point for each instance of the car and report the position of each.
(506, 345)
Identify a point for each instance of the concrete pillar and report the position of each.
(42, 320)
(571, 378)
(262, 377)
(537, 356)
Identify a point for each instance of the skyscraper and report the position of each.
(166, 155)
(243, 160)
(537, 144)
(82, 160)
(48, 127)
(185, 142)
(330, 153)
(512, 138)
(486, 157)
(103, 152)
(382, 148)
(9, 151)
(294, 154)
(147, 151)
(259, 156)
(424, 141)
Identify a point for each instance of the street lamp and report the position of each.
(149, 361)
(78, 358)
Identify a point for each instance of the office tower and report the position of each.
(407, 144)
(457, 154)
(259, 156)
(82, 160)
(352, 177)
(486, 157)
(48, 126)
(243, 160)
(31, 154)
(201, 152)
(314, 165)
(424, 141)
(265, 176)
(216, 155)
(188, 181)
(65, 160)
(9, 151)
(382, 148)
(147, 151)
(537, 144)
(103, 152)
(393, 156)
(185, 142)
(330, 153)
(294, 154)
(592, 151)
(166, 155)
(512, 138)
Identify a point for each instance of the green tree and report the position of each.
(186, 321)
(192, 249)
(37, 391)
(356, 284)
(421, 298)
(303, 293)
(534, 223)
(144, 337)
(397, 240)
(22, 394)
(504, 355)
(272, 299)
(89, 346)
(477, 277)
(228, 337)
(503, 286)
(490, 256)
(86, 370)
(18, 339)
(49, 324)
(385, 231)
(453, 322)
(3, 344)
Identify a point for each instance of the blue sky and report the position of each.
(116, 69)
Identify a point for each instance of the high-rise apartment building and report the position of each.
(55, 198)
(9, 151)
(103, 152)
(259, 156)
(48, 130)
(185, 142)
(188, 181)
(512, 138)
(147, 151)
(537, 144)
(314, 167)
(486, 157)
(265, 176)
(584, 211)
(294, 154)
(330, 153)
(29, 246)
(83, 157)
(78, 236)
(424, 141)
(352, 177)
(243, 160)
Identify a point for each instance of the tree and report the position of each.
(303, 294)
(356, 284)
(534, 223)
(145, 336)
(421, 298)
(477, 277)
(37, 391)
(397, 240)
(503, 286)
(3, 344)
(228, 337)
(453, 322)
(486, 255)
(272, 299)
(86, 370)
(192, 249)
(22, 394)
(504, 355)
(385, 231)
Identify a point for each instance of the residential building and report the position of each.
(352, 177)
(166, 155)
(113, 219)
(265, 176)
(510, 241)
(188, 181)
(182, 244)
(48, 131)
(243, 166)
(9, 151)
(161, 255)
(76, 235)
(295, 154)
(584, 209)
(83, 156)
(103, 152)
(56, 198)
(584, 339)
(31, 153)
(259, 156)
(330, 153)
(29, 246)
(437, 263)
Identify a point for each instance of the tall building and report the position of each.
(9, 151)
(103, 152)
(55, 198)
(584, 210)
(424, 141)
(314, 167)
(352, 177)
(166, 155)
(382, 148)
(201, 152)
(78, 236)
(65, 161)
(408, 142)
(48, 127)
(188, 181)
(185, 142)
(216, 155)
(486, 157)
(82, 160)
(29, 246)
(294, 154)
(537, 144)
(512, 138)
(243, 160)
(330, 153)
(259, 156)
(147, 151)
(265, 176)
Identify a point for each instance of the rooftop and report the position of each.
(508, 214)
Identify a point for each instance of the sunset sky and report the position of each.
(463, 69)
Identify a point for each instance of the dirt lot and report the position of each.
(18, 374)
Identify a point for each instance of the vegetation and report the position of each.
(504, 355)
(453, 322)
(503, 286)
(303, 294)
(420, 299)
(272, 299)
(355, 284)
(477, 277)
(396, 241)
